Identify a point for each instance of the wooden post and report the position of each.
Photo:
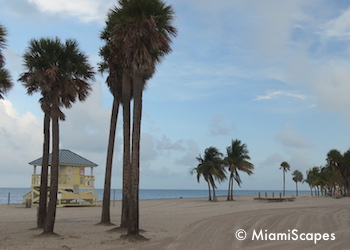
(280, 195)
(265, 195)
(273, 195)
(259, 194)
(8, 198)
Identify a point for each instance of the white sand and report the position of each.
(186, 224)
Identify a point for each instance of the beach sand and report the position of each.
(188, 224)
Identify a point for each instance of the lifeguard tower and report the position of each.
(75, 188)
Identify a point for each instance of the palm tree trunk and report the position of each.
(229, 187)
(126, 96)
(209, 191)
(105, 216)
(133, 226)
(232, 183)
(51, 211)
(311, 190)
(44, 173)
(213, 186)
(296, 183)
(283, 181)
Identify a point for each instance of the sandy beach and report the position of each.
(190, 224)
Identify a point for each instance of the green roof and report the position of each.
(67, 157)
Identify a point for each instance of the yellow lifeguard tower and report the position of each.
(75, 188)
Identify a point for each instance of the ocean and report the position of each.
(14, 195)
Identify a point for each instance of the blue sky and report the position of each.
(274, 74)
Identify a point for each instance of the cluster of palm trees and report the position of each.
(137, 36)
(333, 178)
(212, 167)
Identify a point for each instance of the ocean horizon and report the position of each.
(14, 195)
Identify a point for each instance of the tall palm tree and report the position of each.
(297, 177)
(211, 167)
(142, 38)
(114, 81)
(60, 72)
(112, 61)
(5, 79)
(285, 167)
(237, 160)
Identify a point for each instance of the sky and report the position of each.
(273, 74)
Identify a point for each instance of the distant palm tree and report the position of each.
(297, 177)
(341, 162)
(309, 180)
(59, 71)
(5, 79)
(140, 38)
(285, 167)
(237, 160)
(211, 167)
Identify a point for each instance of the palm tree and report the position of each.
(5, 79)
(237, 160)
(141, 38)
(341, 162)
(114, 80)
(211, 167)
(297, 177)
(285, 167)
(309, 180)
(59, 71)
(200, 171)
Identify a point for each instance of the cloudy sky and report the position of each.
(274, 74)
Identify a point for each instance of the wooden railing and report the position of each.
(85, 181)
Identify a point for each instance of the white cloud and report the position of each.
(86, 10)
(20, 141)
(189, 158)
(166, 144)
(217, 126)
(275, 94)
(289, 137)
(332, 87)
(86, 126)
(338, 27)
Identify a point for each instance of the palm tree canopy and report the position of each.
(58, 70)
(140, 31)
(3, 34)
(210, 165)
(285, 166)
(237, 160)
(5, 78)
(335, 158)
(297, 176)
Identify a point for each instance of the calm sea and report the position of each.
(14, 195)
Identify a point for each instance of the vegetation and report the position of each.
(332, 179)
(59, 71)
(297, 177)
(211, 167)
(285, 167)
(5, 79)
(139, 36)
(237, 160)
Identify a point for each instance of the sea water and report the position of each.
(14, 195)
